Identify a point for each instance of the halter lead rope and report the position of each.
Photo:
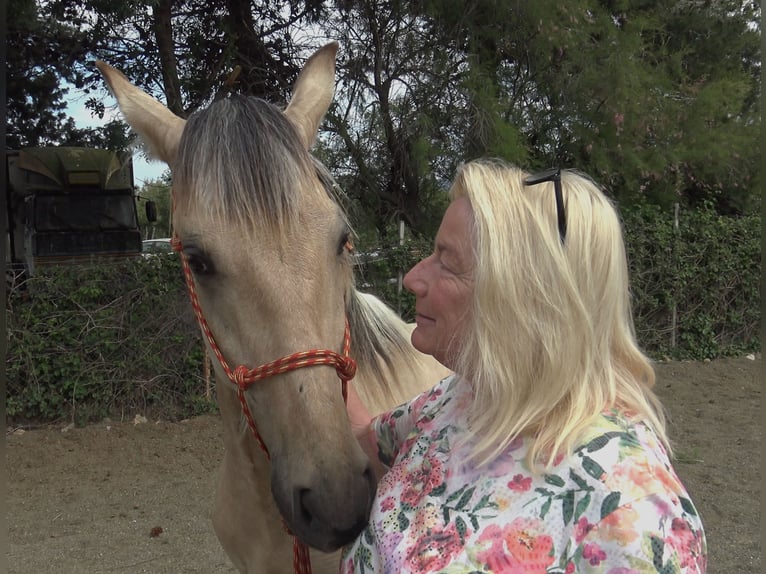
(243, 377)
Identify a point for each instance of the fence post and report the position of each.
(401, 272)
(674, 318)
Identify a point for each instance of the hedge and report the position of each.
(90, 341)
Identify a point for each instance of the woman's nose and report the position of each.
(413, 281)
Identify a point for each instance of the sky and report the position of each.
(143, 170)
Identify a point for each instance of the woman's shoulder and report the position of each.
(622, 459)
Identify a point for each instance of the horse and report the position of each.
(266, 247)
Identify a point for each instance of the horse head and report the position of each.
(267, 249)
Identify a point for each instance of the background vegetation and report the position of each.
(658, 100)
(87, 342)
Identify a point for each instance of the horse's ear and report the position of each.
(159, 127)
(312, 93)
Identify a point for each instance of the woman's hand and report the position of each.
(361, 419)
(358, 415)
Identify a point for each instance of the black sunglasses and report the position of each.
(554, 175)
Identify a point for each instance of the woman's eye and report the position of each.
(345, 242)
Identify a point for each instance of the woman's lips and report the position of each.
(421, 319)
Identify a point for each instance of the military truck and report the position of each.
(69, 205)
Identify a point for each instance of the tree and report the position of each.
(389, 116)
(42, 56)
(657, 101)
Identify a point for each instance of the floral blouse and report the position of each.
(615, 506)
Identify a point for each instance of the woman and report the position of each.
(547, 450)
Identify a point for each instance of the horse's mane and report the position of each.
(380, 345)
(242, 159)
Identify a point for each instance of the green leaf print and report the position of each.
(403, 521)
(483, 503)
(545, 508)
(687, 505)
(610, 504)
(363, 557)
(601, 441)
(582, 506)
(461, 528)
(592, 467)
(567, 506)
(658, 548)
(455, 495)
(439, 490)
(555, 480)
(465, 499)
(579, 480)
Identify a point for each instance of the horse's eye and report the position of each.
(198, 263)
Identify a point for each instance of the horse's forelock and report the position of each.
(242, 161)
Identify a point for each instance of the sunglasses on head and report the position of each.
(554, 175)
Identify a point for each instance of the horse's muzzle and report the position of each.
(331, 512)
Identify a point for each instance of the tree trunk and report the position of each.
(163, 30)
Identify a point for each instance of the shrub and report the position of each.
(708, 269)
(85, 342)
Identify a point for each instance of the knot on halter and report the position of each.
(345, 367)
(240, 377)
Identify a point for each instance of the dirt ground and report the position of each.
(130, 498)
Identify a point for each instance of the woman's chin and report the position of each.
(419, 341)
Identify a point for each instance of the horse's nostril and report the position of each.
(303, 501)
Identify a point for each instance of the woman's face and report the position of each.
(443, 286)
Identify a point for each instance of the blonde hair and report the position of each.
(552, 344)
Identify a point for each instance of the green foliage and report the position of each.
(708, 269)
(86, 342)
(42, 60)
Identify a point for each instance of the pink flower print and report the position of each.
(419, 403)
(685, 542)
(570, 568)
(422, 481)
(388, 504)
(434, 550)
(519, 483)
(532, 552)
(593, 554)
(519, 548)
(582, 528)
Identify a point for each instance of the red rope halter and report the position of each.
(243, 377)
